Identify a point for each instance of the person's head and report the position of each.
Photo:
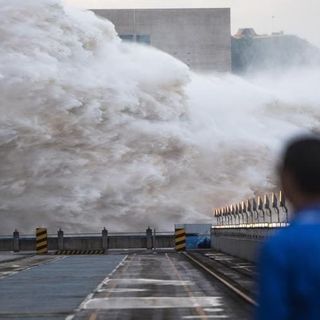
(300, 171)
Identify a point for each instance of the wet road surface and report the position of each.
(53, 289)
(15, 264)
(160, 286)
(134, 286)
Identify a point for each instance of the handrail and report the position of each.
(255, 210)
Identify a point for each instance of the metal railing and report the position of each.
(269, 211)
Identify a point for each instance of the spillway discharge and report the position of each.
(97, 132)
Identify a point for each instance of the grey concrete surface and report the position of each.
(161, 286)
(53, 290)
(201, 38)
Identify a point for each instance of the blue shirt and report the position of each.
(289, 268)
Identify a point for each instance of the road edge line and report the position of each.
(91, 294)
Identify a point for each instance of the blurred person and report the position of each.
(289, 263)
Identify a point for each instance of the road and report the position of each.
(53, 289)
(136, 286)
(160, 286)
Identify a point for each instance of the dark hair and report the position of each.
(302, 160)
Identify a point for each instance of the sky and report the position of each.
(300, 17)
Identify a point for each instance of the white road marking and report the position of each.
(213, 310)
(151, 303)
(160, 282)
(207, 317)
(90, 295)
(122, 290)
(99, 287)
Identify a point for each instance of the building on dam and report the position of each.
(201, 38)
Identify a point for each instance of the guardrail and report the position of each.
(150, 239)
(269, 211)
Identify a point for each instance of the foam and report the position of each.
(95, 132)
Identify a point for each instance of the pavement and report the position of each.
(160, 286)
(54, 288)
(135, 286)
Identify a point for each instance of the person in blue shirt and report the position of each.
(289, 263)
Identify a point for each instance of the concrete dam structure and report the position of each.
(98, 132)
(256, 53)
(198, 37)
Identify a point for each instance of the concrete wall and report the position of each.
(164, 241)
(6, 244)
(128, 242)
(273, 52)
(92, 242)
(242, 248)
(81, 243)
(201, 38)
(242, 242)
(29, 244)
(117, 242)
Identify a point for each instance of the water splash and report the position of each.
(95, 132)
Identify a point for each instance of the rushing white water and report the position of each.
(95, 132)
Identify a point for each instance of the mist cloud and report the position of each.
(96, 132)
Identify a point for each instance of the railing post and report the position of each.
(260, 208)
(16, 243)
(275, 207)
(154, 239)
(105, 239)
(60, 239)
(266, 205)
(149, 238)
(282, 203)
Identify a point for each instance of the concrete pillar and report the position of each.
(149, 238)
(60, 239)
(154, 239)
(105, 239)
(16, 244)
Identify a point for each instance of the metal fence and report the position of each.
(268, 211)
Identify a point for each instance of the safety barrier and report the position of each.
(150, 239)
(180, 239)
(260, 212)
(76, 252)
(41, 241)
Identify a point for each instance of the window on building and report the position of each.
(139, 38)
(127, 37)
(143, 38)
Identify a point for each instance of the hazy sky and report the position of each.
(292, 16)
